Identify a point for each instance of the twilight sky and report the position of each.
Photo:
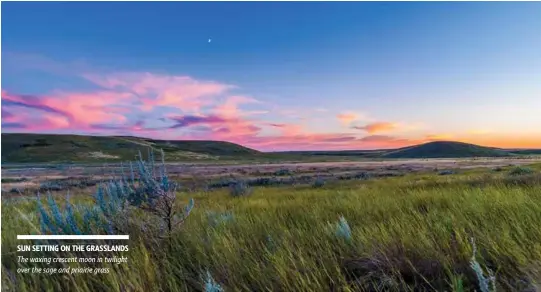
(276, 76)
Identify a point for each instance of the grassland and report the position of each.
(408, 233)
(31, 178)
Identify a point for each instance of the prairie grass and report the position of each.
(409, 233)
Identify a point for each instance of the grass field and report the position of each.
(408, 233)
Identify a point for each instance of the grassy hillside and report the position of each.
(59, 148)
(211, 148)
(446, 149)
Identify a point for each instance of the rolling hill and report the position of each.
(50, 148)
(446, 149)
(63, 148)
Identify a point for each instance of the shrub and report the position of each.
(16, 190)
(264, 181)
(446, 172)
(151, 193)
(319, 182)
(270, 245)
(486, 284)
(521, 170)
(222, 183)
(56, 223)
(239, 189)
(51, 186)
(362, 175)
(14, 179)
(215, 219)
(342, 230)
(283, 172)
(211, 285)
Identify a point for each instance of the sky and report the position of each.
(276, 75)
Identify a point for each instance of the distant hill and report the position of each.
(61, 148)
(524, 151)
(446, 149)
(21, 148)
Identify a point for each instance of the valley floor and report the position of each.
(28, 178)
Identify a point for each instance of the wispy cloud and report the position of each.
(230, 107)
(378, 127)
(9, 125)
(187, 121)
(223, 127)
(347, 118)
(182, 92)
(77, 109)
(440, 137)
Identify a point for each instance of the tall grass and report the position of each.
(402, 237)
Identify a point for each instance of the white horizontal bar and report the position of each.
(74, 237)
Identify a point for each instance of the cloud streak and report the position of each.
(379, 127)
(347, 118)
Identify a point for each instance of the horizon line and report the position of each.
(225, 141)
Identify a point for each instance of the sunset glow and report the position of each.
(323, 76)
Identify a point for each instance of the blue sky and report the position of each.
(463, 71)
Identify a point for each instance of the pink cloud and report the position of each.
(182, 92)
(89, 108)
(73, 110)
(56, 121)
(289, 129)
(347, 118)
(230, 106)
(32, 122)
(378, 127)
